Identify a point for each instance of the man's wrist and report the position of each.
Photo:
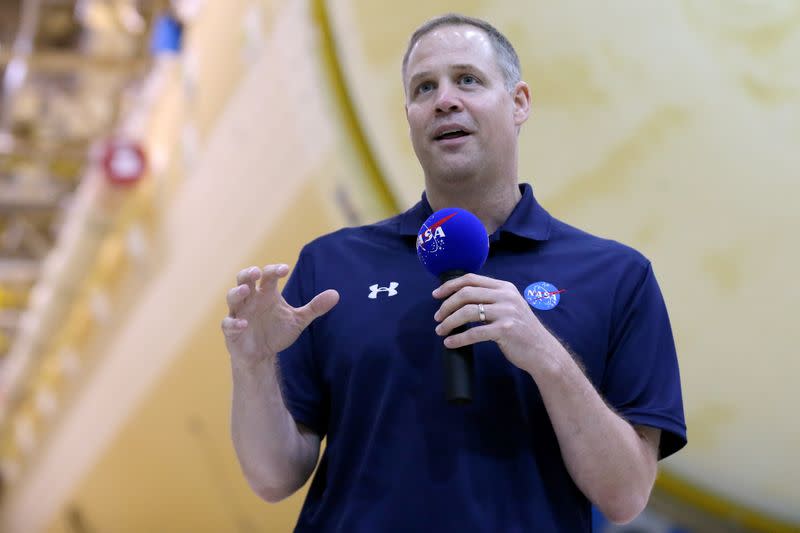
(253, 367)
(548, 358)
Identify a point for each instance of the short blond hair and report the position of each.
(507, 58)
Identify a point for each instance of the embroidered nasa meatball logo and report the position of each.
(542, 295)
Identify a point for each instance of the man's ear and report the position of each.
(405, 108)
(522, 102)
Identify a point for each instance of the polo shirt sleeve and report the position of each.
(642, 380)
(300, 375)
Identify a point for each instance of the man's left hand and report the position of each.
(508, 319)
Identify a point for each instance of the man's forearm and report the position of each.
(275, 457)
(606, 457)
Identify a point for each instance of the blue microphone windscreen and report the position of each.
(452, 239)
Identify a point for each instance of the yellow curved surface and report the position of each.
(672, 128)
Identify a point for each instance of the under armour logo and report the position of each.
(391, 290)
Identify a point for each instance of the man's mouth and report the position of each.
(451, 134)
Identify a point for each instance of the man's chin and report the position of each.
(457, 174)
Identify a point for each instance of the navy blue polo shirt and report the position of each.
(369, 377)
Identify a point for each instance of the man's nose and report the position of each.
(447, 100)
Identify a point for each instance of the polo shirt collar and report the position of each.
(528, 220)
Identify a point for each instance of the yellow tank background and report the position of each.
(669, 126)
(672, 127)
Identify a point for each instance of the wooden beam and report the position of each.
(69, 61)
(19, 270)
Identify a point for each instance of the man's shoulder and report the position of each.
(579, 241)
(352, 237)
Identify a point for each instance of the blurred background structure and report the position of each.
(151, 149)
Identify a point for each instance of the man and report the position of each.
(576, 392)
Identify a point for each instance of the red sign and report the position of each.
(124, 162)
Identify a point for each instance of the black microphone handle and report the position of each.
(458, 362)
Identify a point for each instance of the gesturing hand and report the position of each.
(260, 323)
(507, 317)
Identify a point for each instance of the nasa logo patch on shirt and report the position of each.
(543, 295)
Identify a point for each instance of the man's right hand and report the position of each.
(260, 323)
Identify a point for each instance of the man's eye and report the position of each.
(469, 79)
(425, 87)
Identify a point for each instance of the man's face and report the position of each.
(463, 120)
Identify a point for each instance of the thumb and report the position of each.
(318, 306)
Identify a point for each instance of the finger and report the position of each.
(464, 296)
(449, 287)
(318, 306)
(270, 276)
(235, 297)
(464, 315)
(471, 336)
(248, 276)
(232, 326)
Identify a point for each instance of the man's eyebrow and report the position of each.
(456, 67)
(418, 75)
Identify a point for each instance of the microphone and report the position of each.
(451, 243)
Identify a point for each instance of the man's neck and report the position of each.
(492, 205)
